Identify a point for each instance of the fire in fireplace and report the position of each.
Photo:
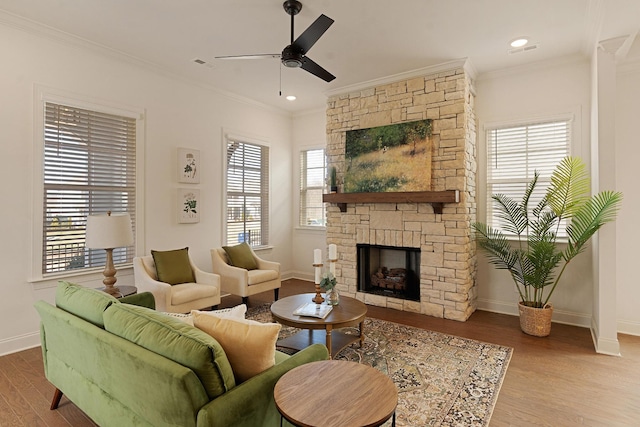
(389, 270)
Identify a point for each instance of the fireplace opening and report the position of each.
(389, 270)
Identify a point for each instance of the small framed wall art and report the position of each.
(188, 165)
(188, 206)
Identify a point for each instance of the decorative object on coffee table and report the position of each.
(328, 284)
(317, 264)
(109, 232)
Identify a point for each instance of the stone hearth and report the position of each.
(448, 254)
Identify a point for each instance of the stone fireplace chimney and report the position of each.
(448, 253)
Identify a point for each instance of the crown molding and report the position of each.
(464, 63)
(64, 38)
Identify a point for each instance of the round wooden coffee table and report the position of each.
(336, 393)
(350, 312)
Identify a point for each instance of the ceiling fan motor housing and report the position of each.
(291, 58)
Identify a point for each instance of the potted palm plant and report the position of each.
(527, 243)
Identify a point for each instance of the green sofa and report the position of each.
(124, 364)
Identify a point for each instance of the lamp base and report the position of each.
(110, 276)
(112, 290)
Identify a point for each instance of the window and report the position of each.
(247, 183)
(516, 152)
(89, 167)
(313, 172)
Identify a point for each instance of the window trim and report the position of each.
(42, 95)
(230, 135)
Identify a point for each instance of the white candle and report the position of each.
(332, 268)
(317, 282)
(317, 256)
(333, 251)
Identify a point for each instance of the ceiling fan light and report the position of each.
(292, 63)
(291, 97)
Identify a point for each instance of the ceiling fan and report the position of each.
(294, 55)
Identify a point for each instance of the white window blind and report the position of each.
(247, 193)
(89, 168)
(516, 152)
(313, 172)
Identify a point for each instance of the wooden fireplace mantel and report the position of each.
(436, 198)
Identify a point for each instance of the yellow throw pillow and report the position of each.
(250, 346)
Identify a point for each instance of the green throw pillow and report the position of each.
(241, 256)
(173, 267)
(86, 303)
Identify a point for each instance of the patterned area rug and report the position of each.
(442, 380)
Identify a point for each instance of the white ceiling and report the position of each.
(370, 39)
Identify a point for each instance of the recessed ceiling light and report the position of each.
(291, 98)
(519, 42)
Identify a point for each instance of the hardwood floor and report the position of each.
(555, 381)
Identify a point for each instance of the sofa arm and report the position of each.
(144, 299)
(251, 402)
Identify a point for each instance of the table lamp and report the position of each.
(108, 232)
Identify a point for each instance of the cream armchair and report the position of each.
(241, 282)
(180, 298)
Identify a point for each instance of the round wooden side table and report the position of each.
(336, 393)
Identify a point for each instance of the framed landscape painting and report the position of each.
(389, 158)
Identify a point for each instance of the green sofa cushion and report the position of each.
(86, 303)
(174, 340)
(173, 267)
(241, 256)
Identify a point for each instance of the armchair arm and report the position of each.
(232, 279)
(253, 400)
(161, 291)
(263, 264)
(204, 277)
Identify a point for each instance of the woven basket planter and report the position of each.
(535, 321)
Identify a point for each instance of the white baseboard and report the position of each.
(606, 346)
(301, 275)
(559, 316)
(629, 327)
(19, 343)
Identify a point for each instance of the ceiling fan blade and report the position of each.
(256, 56)
(310, 36)
(316, 70)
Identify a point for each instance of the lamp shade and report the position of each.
(108, 231)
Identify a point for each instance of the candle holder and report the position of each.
(318, 298)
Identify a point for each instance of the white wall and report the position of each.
(309, 131)
(521, 94)
(177, 114)
(627, 230)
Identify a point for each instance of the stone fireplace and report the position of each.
(439, 230)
